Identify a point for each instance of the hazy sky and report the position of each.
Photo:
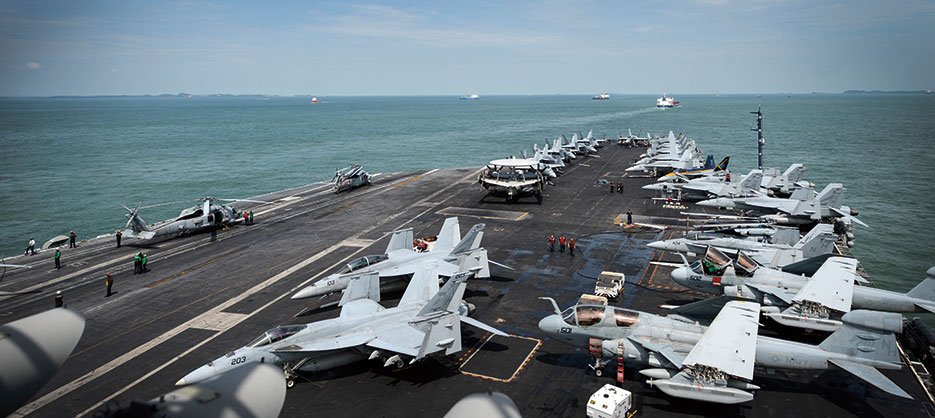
(452, 47)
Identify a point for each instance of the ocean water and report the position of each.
(68, 163)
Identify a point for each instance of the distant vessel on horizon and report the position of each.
(471, 97)
(315, 100)
(666, 101)
(602, 96)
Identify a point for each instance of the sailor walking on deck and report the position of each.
(143, 268)
(118, 234)
(552, 243)
(71, 239)
(629, 217)
(571, 247)
(110, 283)
(561, 244)
(58, 258)
(251, 217)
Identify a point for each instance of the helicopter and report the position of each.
(198, 218)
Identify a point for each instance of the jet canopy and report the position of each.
(362, 262)
(587, 315)
(276, 334)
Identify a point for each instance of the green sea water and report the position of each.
(67, 163)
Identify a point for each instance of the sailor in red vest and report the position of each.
(561, 244)
(552, 243)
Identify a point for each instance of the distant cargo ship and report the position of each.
(471, 97)
(315, 100)
(602, 96)
(666, 101)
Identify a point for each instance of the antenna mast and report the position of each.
(760, 141)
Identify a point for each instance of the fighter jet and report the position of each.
(709, 171)
(400, 260)
(206, 216)
(705, 188)
(819, 241)
(795, 300)
(426, 321)
(827, 204)
(715, 363)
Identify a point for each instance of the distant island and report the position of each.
(888, 92)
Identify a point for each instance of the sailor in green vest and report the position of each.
(58, 258)
(144, 264)
(138, 263)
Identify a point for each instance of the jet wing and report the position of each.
(399, 338)
(832, 285)
(781, 205)
(349, 339)
(775, 291)
(364, 286)
(729, 344)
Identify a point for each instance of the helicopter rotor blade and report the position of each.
(244, 200)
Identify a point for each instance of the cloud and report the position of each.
(32, 65)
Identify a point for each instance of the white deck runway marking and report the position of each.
(199, 321)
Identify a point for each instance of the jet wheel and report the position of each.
(597, 372)
(290, 383)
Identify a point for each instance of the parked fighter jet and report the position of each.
(794, 300)
(400, 260)
(819, 241)
(198, 218)
(350, 177)
(827, 204)
(426, 321)
(715, 363)
(705, 188)
(710, 171)
(552, 165)
(33, 349)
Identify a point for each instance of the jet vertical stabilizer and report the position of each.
(449, 236)
(470, 241)
(832, 196)
(752, 180)
(819, 241)
(401, 240)
(925, 291)
(794, 173)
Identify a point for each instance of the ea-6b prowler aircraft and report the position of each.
(197, 218)
(400, 260)
(795, 300)
(716, 363)
(426, 321)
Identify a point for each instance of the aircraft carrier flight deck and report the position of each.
(207, 294)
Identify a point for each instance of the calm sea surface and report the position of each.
(68, 163)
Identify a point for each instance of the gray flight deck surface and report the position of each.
(204, 298)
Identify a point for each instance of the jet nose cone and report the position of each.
(549, 324)
(657, 245)
(307, 292)
(199, 374)
(680, 276)
(715, 203)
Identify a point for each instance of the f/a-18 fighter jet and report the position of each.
(827, 204)
(819, 241)
(795, 300)
(705, 188)
(715, 363)
(710, 171)
(426, 321)
(401, 261)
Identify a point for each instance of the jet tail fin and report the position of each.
(872, 376)
(752, 181)
(709, 162)
(926, 289)
(794, 173)
(423, 285)
(449, 236)
(449, 296)
(401, 240)
(832, 196)
(819, 241)
(721, 166)
(470, 241)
